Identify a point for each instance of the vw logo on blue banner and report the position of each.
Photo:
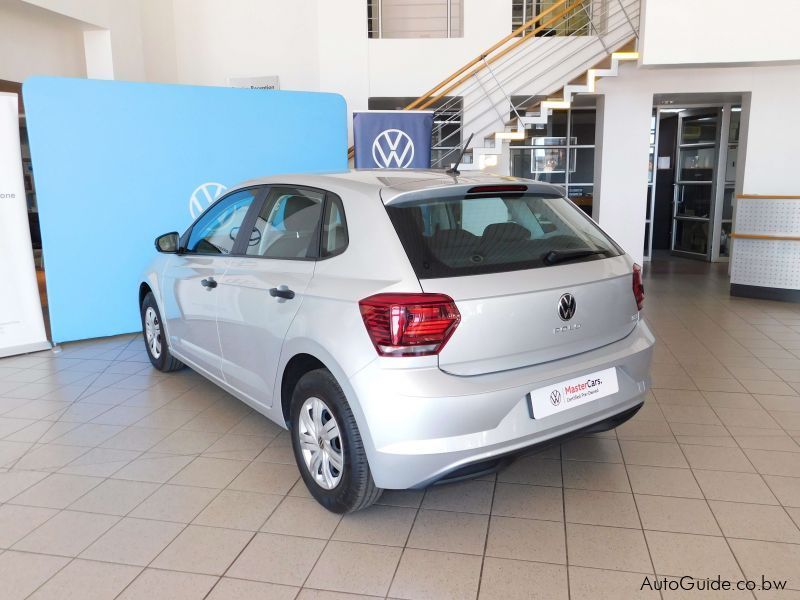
(392, 139)
(203, 196)
(393, 149)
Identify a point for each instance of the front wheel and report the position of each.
(328, 447)
(154, 338)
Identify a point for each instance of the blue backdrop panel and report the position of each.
(392, 139)
(118, 163)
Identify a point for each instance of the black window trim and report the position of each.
(240, 245)
(412, 199)
(239, 249)
(331, 199)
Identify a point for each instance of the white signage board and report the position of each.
(21, 323)
(269, 82)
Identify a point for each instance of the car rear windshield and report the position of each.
(491, 233)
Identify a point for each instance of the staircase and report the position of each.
(515, 130)
(517, 83)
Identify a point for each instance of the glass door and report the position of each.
(695, 182)
(731, 118)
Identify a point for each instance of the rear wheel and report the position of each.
(154, 339)
(328, 447)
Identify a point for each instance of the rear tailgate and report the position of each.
(511, 320)
(509, 255)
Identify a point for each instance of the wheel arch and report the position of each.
(308, 353)
(298, 365)
(144, 289)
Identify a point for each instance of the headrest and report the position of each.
(505, 232)
(295, 204)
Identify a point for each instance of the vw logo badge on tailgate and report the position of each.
(566, 307)
(393, 148)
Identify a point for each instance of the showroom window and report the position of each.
(215, 232)
(415, 18)
(573, 22)
(560, 152)
(447, 118)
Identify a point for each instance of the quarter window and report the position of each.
(334, 228)
(288, 224)
(215, 232)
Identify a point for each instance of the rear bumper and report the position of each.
(425, 425)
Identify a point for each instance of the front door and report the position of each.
(695, 182)
(261, 292)
(191, 279)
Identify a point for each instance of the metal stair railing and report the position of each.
(552, 16)
(548, 66)
(521, 70)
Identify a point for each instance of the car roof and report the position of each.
(391, 183)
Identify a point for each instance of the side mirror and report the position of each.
(168, 243)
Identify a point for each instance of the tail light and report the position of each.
(638, 286)
(409, 324)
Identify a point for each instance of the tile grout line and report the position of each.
(403, 549)
(755, 469)
(486, 538)
(564, 513)
(713, 514)
(638, 514)
(76, 399)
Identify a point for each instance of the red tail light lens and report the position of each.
(638, 286)
(409, 324)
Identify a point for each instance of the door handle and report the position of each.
(282, 291)
(209, 283)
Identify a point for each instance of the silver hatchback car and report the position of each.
(408, 327)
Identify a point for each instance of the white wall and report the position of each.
(158, 41)
(344, 67)
(248, 38)
(99, 56)
(120, 17)
(708, 32)
(771, 144)
(36, 42)
(320, 45)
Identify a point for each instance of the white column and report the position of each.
(621, 165)
(21, 323)
(99, 58)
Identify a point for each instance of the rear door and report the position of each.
(262, 290)
(534, 279)
(191, 279)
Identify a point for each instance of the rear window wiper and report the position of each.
(558, 256)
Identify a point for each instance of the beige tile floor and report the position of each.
(120, 482)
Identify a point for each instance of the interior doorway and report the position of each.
(694, 155)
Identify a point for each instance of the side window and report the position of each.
(288, 224)
(334, 227)
(215, 232)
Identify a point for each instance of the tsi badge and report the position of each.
(203, 196)
(393, 149)
(566, 310)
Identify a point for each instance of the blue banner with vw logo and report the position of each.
(118, 163)
(392, 139)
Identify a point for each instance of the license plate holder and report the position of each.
(561, 396)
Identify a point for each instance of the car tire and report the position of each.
(154, 339)
(321, 448)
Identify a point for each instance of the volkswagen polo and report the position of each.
(407, 327)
